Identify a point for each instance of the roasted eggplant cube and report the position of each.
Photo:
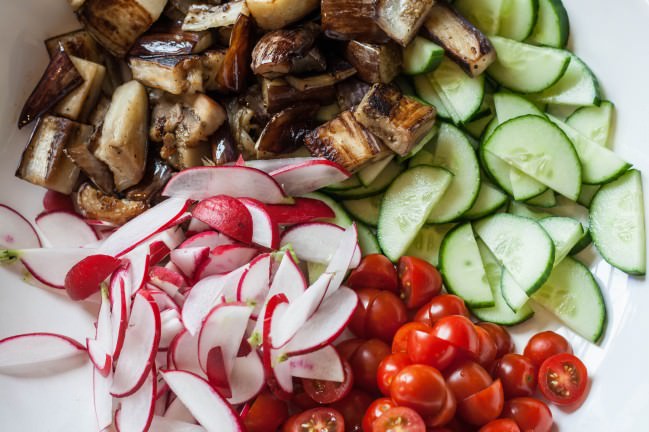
(203, 17)
(97, 171)
(275, 14)
(78, 43)
(402, 19)
(171, 43)
(352, 20)
(278, 52)
(173, 74)
(44, 161)
(94, 204)
(345, 141)
(79, 104)
(279, 94)
(374, 63)
(211, 63)
(465, 44)
(399, 121)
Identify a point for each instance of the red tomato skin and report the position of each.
(488, 348)
(266, 414)
(459, 331)
(400, 340)
(484, 406)
(441, 306)
(408, 420)
(56, 201)
(467, 378)
(384, 316)
(358, 323)
(531, 415)
(376, 410)
(425, 348)
(558, 364)
(326, 392)
(500, 425)
(375, 271)
(365, 363)
(353, 407)
(348, 348)
(333, 417)
(419, 280)
(544, 345)
(517, 374)
(389, 368)
(502, 338)
(421, 388)
(446, 414)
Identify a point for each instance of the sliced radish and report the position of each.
(140, 346)
(65, 229)
(270, 165)
(48, 266)
(302, 211)
(86, 276)
(163, 300)
(224, 259)
(315, 241)
(161, 245)
(99, 224)
(278, 374)
(119, 308)
(138, 269)
(217, 376)
(247, 378)
(211, 239)
(235, 181)
(135, 412)
(161, 401)
(195, 226)
(102, 399)
(343, 259)
(163, 424)
(206, 405)
(158, 251)
(170, 326)
(309, 176)
(39, 353)
(55, 201)
(15, 231)
(99, 357)
(227, 215)
(265, 231)
(323, 364)
(179, 412)
(167, 280)
(100, 349)
(255, 284)
(189, 259)
(184, 352)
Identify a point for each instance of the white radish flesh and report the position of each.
(136, 411)
(184, 352)
(170, 326)
(224, 259)
(265, 232)
(189, 259)
(210, 239)
(323, 364)
(15, 231)
(163, 424)
(39, 353)
(247, 378)
(315, 242)
(50, 266)
(255, 284)
(102, 399)
(270, 165)
(309, 176)
(64, 229)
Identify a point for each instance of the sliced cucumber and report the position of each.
(587, 194)
(560, 111)
(594, 121)
(351, 183)
(509, 106)
(462, 269)
(552, 25)
(428, 241)
(428, 94)
(453, 152)
(546, 200)
(520, 209)
(518, 18)
(565, 233)
(421, 56)
(368, 174)
(521, 246)
(381, 183)
(406, 206)
(599, 164)
(617, 223)
(489, 200)
(460, 93)
(541, 150)
(484, 14)
(573, 295)
(578, 86)
(525, 187)
(477, 127)
(341, 217)
(430, 136)
(367, 240)
(365, 210)
(515, 297)
(527, 68)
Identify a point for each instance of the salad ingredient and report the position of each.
(375, 271)
(517, 374)
(376, 410)
(266, 414)
(419, 281)
(441, 306)
(64, 229)
(226, 215)
(400, 340)
(38, 353)
(500, 425)
(94, 204)
(425, 348)
(315, 420)
(389, 367)
(80, 102)
(529, 413)
(374, 63)
(365, 361)
(488, 348)
(402, 20)
(421, 56)
(326, 392)
(304, 178)
(399, 417)
(484, 406)
(419, 387)
(502, 338)
(466, 379)
(577, 86)
(563, 379)
(351, 20)
(385, 314)
(459, 331)
(85, 277)
(17, 232)
(552, 25)
(594, 122)
(544, 345)
(353, 407)
(136, 411)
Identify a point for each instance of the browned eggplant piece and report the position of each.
(80, 102)
(211, 63)
(245, 127)
(171, 44)
(399, 121)
(375, 63)
(76, 4)
(350, 93)
(59, 79)
(276, 14)
(464, 43)
(91, 203)
(345, 141)
(203, 17)
(123, 142)
(277, 51)
(78, 151)
(173, 74)
(184, 5)
(352, 20)
(286, 130)
(313, 61)
(116, 24)
(224, 148)
(328, 112)
(78, 43)
(156, 177)
(236, 64)
(44, 162)
(339, 70)
(402, 19)
(279, 94)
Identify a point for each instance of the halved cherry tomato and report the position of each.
(421, 388)
(348, 348)
(365, 363)
(517, 374)
(353, 407)
(316, 420)
(460, 332)
(266, 414)
(500, 336)
(500, 425)
(375, 271)
(326, 392)
(376, 410)
(385, 314)
(563, 379)
(300, 398)
(399, 419)
(488, 348)
(467, 378)
(358, 323)
(484, 406)
(444, 415)
(544, 345)
(425, 348)
(440, 307)
(400, 340)
(419, 280)
(531, 415)
(389, 368)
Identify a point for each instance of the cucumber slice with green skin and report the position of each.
(525, 187)
(381, 183)
(368, 174)
(546, 200)
(587, 194)
(617, 223)
(599, 164)
(519, 209)
(515, 297)
(521, 246)
(430, 136)
(573, 295)
(461, 267)
(594, 122)
(541, 150)
(489, 200)
(518, 18)
(578, 86)
(491, 127)
(428, 241)
(561, 112)
(583, 243)
(527, 68)
(351, 183)
(406, 206)
(500, 312)
(367, 240)
(477, 127)
(421, 56)
(365, 210)
(484, 14)
(428, 94)
(341, 217)
(454, 152)
(552, 25)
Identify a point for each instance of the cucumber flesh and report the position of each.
(546, 200)
(461, 267)
(578, 86)
(428, 241)
(552, 25)
(381, 183)
(515, 297)
(341, 217)
(520, 209)
(368, 174)
(565, 233)
(489, 200)
(421, 56)
(587, 194)
(477, 127)
(517, 18)
(484, 14)
(406, 206)
(351, 183)
(428, 94)
(365, 210)
(617, 223)
(594, 122)
(525, 187)
(367, 240)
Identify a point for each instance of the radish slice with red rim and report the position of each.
(315, 242)
(247, 378)
(195, 226)
(65, 229)
(302, 211)
(170, 326)
(189, 259)
(38, 354)
(226, 215)
(176, 410)
(167, 280)
(15, 231)
(184, 352)
(162, 299)
(217, 376)
(102, 400)
(270, 165)
(265, 232)
(120, 307)
(308, 176)
(323, 364)
(163, 424)
(210, 239)
(255, 284)
(135, 412)
(278, 376)
(102, 361)
(343, 259)
(224, 259)
(85, 277)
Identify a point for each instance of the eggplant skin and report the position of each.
(352, 20)
(402, 19)
(279, 94)
(78, 43)
(224, 148)
(78, 151)
(173, 74)
(236, 65)
(277, 52)
(375, 63)
(286, 130)
(91, 203)
(156, 177)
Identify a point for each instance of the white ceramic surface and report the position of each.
(610, 36)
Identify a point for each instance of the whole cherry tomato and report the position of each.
(458, 331)
(399, 419)
(500, 336)
(544, 345)
(563, 379)
(365, 363)
(467, 378)
(375, 271)
(389, 368)
(326, 392)
(400, 340)
(488, 348)
(531, 415)
(440, 307)
(500, 425)
(353, 407)
(266, 414)
(517, 374)
(348, 348)
(419, 280)
(376, 410)
(446, 414)
(421, 388)
(316, 420)
(358, 323)
(384, 316)
(484, 406)
(425, 348)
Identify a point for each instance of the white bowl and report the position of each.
(612, 38)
